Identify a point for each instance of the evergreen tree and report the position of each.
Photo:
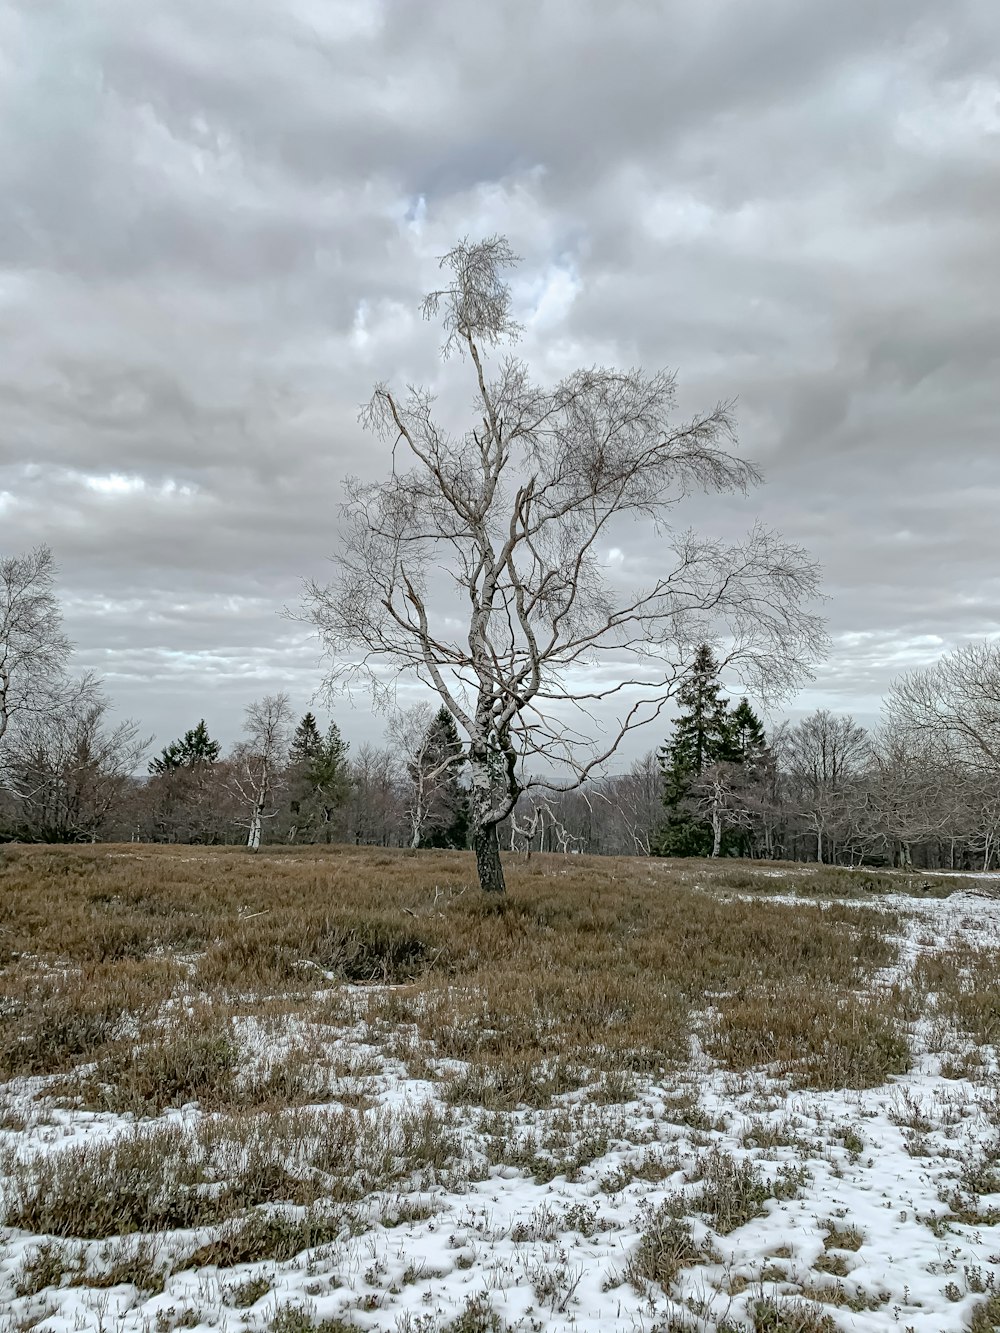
(748, 733)
(194, 748)
(435, 772)
(307, 743)
(704, 734)
(319, 778)
(748, 782)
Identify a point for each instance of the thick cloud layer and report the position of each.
(217, 217)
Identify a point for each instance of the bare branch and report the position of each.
(518, 512)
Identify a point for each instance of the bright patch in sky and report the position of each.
(115, 483)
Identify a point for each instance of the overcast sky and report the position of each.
(217, 218)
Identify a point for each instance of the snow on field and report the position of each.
(857, 1221)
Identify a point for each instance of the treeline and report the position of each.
(281, 783)
(922, 789)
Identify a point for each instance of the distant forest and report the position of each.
(920, 790)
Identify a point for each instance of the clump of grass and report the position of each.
(820, 1039)
(299, 1319)
(121, 1262)
(195, 1063)
(772, 1315)
(667, 1245)
(47, 1264)
(834, 1264)
(274, 1236)
(244, 1294)
(965, 981)
(478, 1316)
(835, 1293)
(137, 1263)
(732, 1192)
(167, 1177)
(653, 1166)
(843, 1238)
(985, 1318)
(761, 1133)
(141, 1181)
(514, 1083)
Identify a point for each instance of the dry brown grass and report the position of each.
(590, 967)
(134, 980)
(165, 1177)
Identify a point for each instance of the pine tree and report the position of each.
(704, 735)
(307, 743)
(329, 770)
(319, 778)
(435, 772)
(747, 782)
(194, 748)
(748, 732)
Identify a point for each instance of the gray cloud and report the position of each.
(216, 219)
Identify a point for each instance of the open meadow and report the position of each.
(325, 1089)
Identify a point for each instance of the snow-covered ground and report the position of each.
(859, 1221)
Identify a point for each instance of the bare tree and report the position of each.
(538, 816)
(905, 799)
(34, 652)
(376, 805)
(520, 510)
(257, 762)
(724, 795)
(636, 798)
(71, 768)
(956, 702)
(825, 756)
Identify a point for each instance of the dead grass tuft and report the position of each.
(666, 1246)
(819, 1038)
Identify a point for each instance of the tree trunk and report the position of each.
(488, 863)
(253, 837)
(485, 838)
(716, 830)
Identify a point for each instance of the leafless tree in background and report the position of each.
(907, 790)
(824, 756)
(519, 511)
(34, 652)
(635, 799)
(723, 796)
(956, 702)
(375, 805)
(256, 764)
(70, 768)
(537, 816)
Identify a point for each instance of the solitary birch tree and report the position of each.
(257, 763)
(520, 511)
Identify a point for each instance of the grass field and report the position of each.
(331, 1089)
